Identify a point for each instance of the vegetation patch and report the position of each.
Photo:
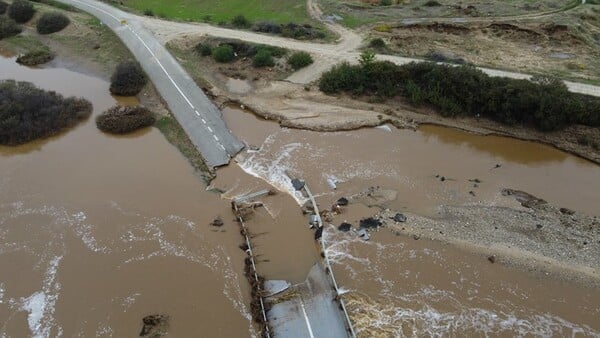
(300, 60)
(223, 53)
(52, 22)
(123, 120)
(128, 79)
(3, 7)
(8, 27)
(21, 11)
(544, 103)
(263, 58)
(35, 57)
(28, 113)
(290, 30)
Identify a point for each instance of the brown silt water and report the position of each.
(98, 231)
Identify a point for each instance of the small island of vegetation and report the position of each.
(122, 120)
(28, 113)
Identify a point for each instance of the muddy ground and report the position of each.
(563, 45)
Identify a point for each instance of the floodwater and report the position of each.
(402, 287)
(98, 231)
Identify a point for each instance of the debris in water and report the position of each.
(313, 220)
(475, 180)
(370, 222)
(492, 259)
(331, 183)
(217, 222)
(398, 217)
(416, 237)
(362, 233)
(345, 227)
(442, 178)
(244, 247)
(472, 193)
(497, 166)
(539, 226)
(298, 184)
(154, 326)
(318, 233)
(342, 202)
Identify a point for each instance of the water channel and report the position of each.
(98, 231)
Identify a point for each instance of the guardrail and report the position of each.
(328, 264)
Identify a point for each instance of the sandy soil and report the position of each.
(521, 230)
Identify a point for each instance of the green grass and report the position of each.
(280, 11)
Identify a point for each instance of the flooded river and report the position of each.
(98, 231)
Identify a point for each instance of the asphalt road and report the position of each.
(198, 116)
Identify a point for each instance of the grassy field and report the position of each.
(280, 11)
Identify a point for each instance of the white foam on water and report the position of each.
(41, 304)
(1, 293)
(271, 166)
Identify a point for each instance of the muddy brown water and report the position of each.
(401, 287)
(97, 231)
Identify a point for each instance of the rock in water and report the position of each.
(399, 218)
(155, 326)
(342, 201)
(370, 222)
(345, 227)
(319, 233)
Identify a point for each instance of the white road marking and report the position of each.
(158, 62)
(306, 319)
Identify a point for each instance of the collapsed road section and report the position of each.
(312, 308)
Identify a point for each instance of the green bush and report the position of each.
(300, 60)
(274, 51)
(263, 58)
(385, 2)
(203, 49)
(3, 7)
(148, 12)
(52, 22)
(240, 21)
(544, 103)
(21, 11)
(8, 27)
(35, 57)
(377, 43)
(223, 53)
(28, 113)
(122, 120)
(128, 79)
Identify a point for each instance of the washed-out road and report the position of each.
(198, 116)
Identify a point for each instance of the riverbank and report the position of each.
(87, 46)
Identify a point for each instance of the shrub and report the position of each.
(148, 12)
(240, 21)
(301, 32)
(8, 27)
(121, 120)
(223, 53)
(274, 51)
(385, 2)
(263, 58)
(432, 3)
(52, 22)
(203, 49)
(267, 27)
(28, 113)
(3, 7)
(21, 11)
(35, 57)
(128, 79)
(300, 60)
(544, 103)
(377, 43)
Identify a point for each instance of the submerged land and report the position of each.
(245, 63)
